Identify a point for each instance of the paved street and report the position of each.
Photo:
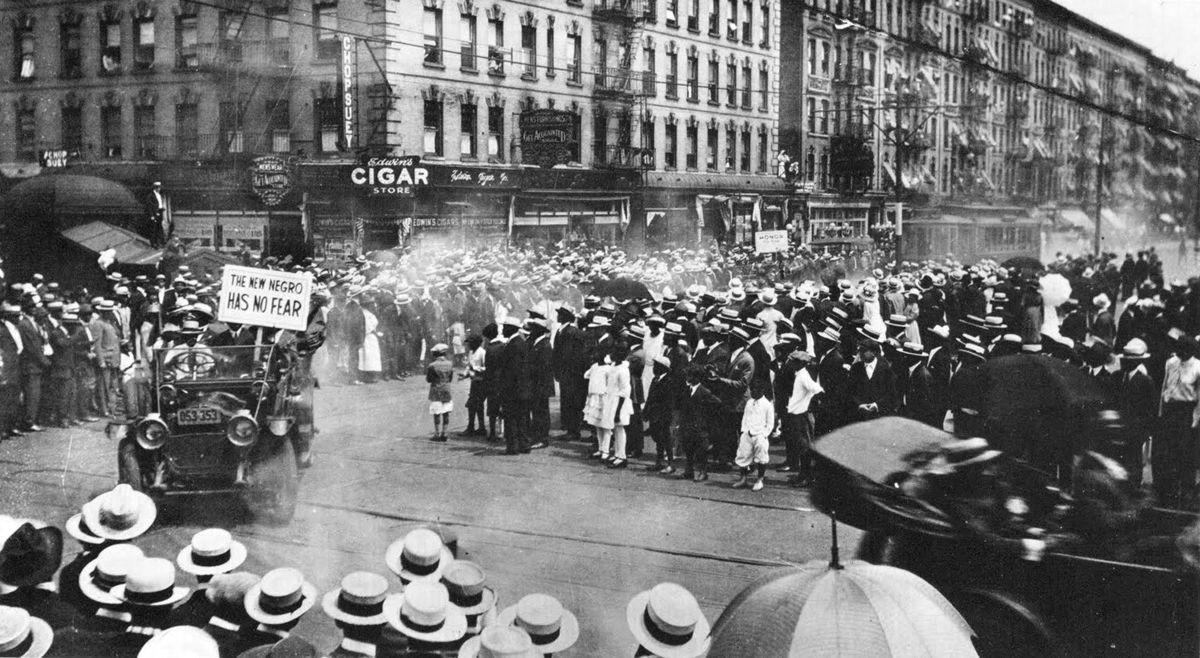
(546, 522)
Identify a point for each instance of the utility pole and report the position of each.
(1099, 186)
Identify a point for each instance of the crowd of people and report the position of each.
(116, 600)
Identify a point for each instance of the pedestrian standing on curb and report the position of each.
(439, 374)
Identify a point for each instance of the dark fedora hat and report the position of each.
(30, 555)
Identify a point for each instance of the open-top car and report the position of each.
(224, 420)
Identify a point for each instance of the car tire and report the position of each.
(1005, 627)
(272, 497)
(129, 469)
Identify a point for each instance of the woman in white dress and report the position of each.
(370, 362)
(593, 411)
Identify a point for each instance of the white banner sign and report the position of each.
(769, 242)
(254, 296)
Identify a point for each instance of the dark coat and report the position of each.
(879, 389)
(570, 357)
(33, 359)
(762, 366)
(353, 325)
(659, 399)
(10, 359)
(697, 416)
(1138, 400)
(493, 364)
(834, 378)
(637, 365)
(541, 374)
(513, 379)
(62, 362)
(732, 383)
(920, 401)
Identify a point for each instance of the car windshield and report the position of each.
(202, 362)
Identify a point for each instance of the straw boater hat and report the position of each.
(359, 601)
(668, 622)
(119, 515)
(181, 642)
(500, 642)
(211, 552)
(23, 635)
(150, 583)
(419, 555)
(109, 569)
(464, 582)
(552, 627)
(1135, 350)
(423, 612)
(77, 528)
(283, 595)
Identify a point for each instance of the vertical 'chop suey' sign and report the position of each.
(348, 73)
(250, 295)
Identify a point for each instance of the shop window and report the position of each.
(433, 128)
(432, 23)
(328, 120)
(24, 61)
(145, 131)
(143, 44)
(468, 142)
(712, 146)
(26, 134)
(72, 129)
(110, 47)
(72, 52)
(693, 147)
(325, 18)
(187, 31)
(187, 129)
(671, 153)
(110, 131)
(496, 133)
(467, 25)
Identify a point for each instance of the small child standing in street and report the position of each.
(757, 422)
(439, 374)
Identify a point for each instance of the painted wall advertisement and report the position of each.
(549, 137)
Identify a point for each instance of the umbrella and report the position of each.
(1029, 404)
(622, 287)
(1023, 263)
(829, 610)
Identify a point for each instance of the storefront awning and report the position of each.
(716, 183)
(1075, 217)
(132, 249)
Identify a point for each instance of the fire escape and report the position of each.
(620, 92)
(975, 140)
(254, 72)
(851, 159)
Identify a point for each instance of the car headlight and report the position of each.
(242, 429)
(152, 432)
(168, 395)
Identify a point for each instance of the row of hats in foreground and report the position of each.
(443, 606)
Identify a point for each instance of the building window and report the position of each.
(731, 83)
(145, 131)
(650, 10)
(810, 165)
(747, 20)
(764, 26)
(468, 143)
(747, 87)
(110, 47)
(496, 46)
(467, 37)
(187, 129)
(72, 129)
(731, 28)
(575, 66)
(325, 17)
(672, 75)
(650, 63)
(600, 137)
(693, 147)
(762, 151)
(328, 120)
(110, 131)
(27, 134)
(528, 51)
(824, 47)
(143, 44)
(279, 37)
(433, 128)
(72, 52)
(812, 114)
(744, 162)
(714, 81)
(230, 34)
(764, 89)
(730, 148)
(233, 134)
(24, 62)
(432, 25)
(694, 17)
(671, 153)
(648, 150)
(712, 146)
(496, 133)
(812, 56)
(187, 31)
(672, 13)
(279, 125)
(824, 117)
(714, 18)
(551, 69)
(693, 79)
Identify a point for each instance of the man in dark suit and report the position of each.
(732, 385)
(761, 355)
(634, 432)
(657, 412)
(541, 379)
(11, 347)
(1138, 403)
(493, 360)
(920, 404)
(515, 389)
(35, 360)
(570, 362)
(833, 377)
(872, 386)
(698, 415)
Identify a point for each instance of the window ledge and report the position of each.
(692, 169)
(529, 77)
(574, 83)
(435, 158)
(694, 30)
(670, 169)
(550, 71)
(435, 65)
(713, 103)
(575, 3)
(496, 74)
(672, 97)
(693, 100)
(469, 69)
(673, 24)
(469, 158)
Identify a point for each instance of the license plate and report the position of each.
(199, 416)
